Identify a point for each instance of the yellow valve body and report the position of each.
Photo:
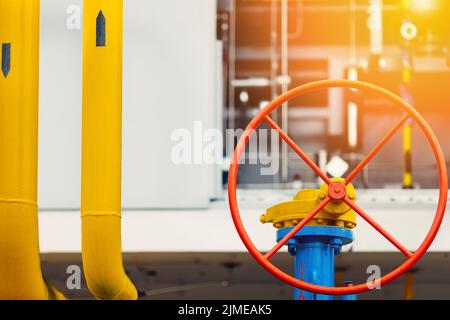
(102, 151)
(20, 268)
(290, 213)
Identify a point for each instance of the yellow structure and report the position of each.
(408, 182)
(290, 213)
(409, 286)
(20, 268)
(101, 151)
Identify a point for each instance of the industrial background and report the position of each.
(218, 63)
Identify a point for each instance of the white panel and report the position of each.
(60, 106)
(169, 76)
(169, 82)
(217, 187)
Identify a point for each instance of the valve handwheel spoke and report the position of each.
(336, 190)
(377, 227)
(376, 149)
(297, 150)
(297, 228)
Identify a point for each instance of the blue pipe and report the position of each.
(314, 263)
(349, 297)
(314, 248)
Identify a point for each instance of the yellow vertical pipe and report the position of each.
(409, 286)
(101, 151)
(408, 182)
(20, 268)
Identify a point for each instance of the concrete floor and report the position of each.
(165, 275)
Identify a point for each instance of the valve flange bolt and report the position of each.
(279, 225)
(349, 225)
(262, 218)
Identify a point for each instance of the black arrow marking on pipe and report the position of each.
(101, 30)
(6, 59)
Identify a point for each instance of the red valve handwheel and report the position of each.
(336, 191)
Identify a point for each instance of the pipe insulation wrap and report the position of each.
(20, 267)
(102, 151)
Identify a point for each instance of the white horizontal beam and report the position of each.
(406, 214)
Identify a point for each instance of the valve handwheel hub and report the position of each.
(337, 192)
